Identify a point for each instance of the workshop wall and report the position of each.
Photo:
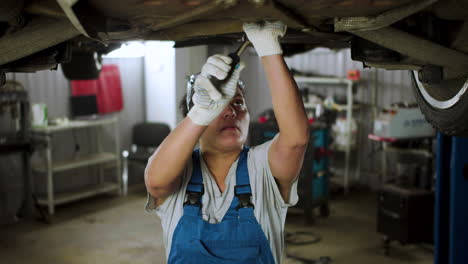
(133, 83)
(43, 87)
(188, 61)
(51, 88)
(390, 86)
(160, 82)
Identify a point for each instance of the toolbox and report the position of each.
(313, 187)
(405, 214)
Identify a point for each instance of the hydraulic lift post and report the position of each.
(451, 208)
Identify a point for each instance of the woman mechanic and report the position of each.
(226, 203)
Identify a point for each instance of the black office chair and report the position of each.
(146, 137)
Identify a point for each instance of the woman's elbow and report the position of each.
(154, 186)
(150, 179)
(296, 141)
(302, 139)
(150, 175)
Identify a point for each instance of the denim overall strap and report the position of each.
(242, 174)
(234, 240)
(195, 188)
(242, 190)
(196, 181)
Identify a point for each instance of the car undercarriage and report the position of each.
(427, 37)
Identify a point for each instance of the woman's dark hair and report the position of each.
(184, 101)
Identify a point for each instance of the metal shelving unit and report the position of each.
(76, 195)
(100, 158)
(348, 84)
(88, 160)
(14, 100)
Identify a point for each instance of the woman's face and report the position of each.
(229, 130)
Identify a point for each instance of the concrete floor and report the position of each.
(117, 230)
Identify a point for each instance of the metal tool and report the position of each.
(235, 56)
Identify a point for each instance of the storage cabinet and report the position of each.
(101, 158)
(313, 185)
(405, 214)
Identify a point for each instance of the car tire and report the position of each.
(84, 65)
(445, 105)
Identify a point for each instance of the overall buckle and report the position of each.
(244, 201)
(194, 197)
(244, 198)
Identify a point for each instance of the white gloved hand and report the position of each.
(208, 101)
(265, 36)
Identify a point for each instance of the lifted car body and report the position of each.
(427, 37)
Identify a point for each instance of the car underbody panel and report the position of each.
(427, 37)
(161, 20)
(192, 22)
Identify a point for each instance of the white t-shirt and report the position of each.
(270, 208)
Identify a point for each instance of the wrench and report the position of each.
(235, 56)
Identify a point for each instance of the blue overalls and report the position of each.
(238, 238)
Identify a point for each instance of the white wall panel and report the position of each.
(188, 61)
(160, 82)
(392, 86)
(133, 83)
(47, 87)
(51, 88)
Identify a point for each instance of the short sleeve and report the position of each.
(173, 201)
(259, 156)
(150, 205)
(171, 210)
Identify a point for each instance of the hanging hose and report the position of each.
(301, 238)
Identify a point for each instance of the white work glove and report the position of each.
(208, 102)
(265, 36)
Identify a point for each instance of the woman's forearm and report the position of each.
(287, 103)
(165, 166)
